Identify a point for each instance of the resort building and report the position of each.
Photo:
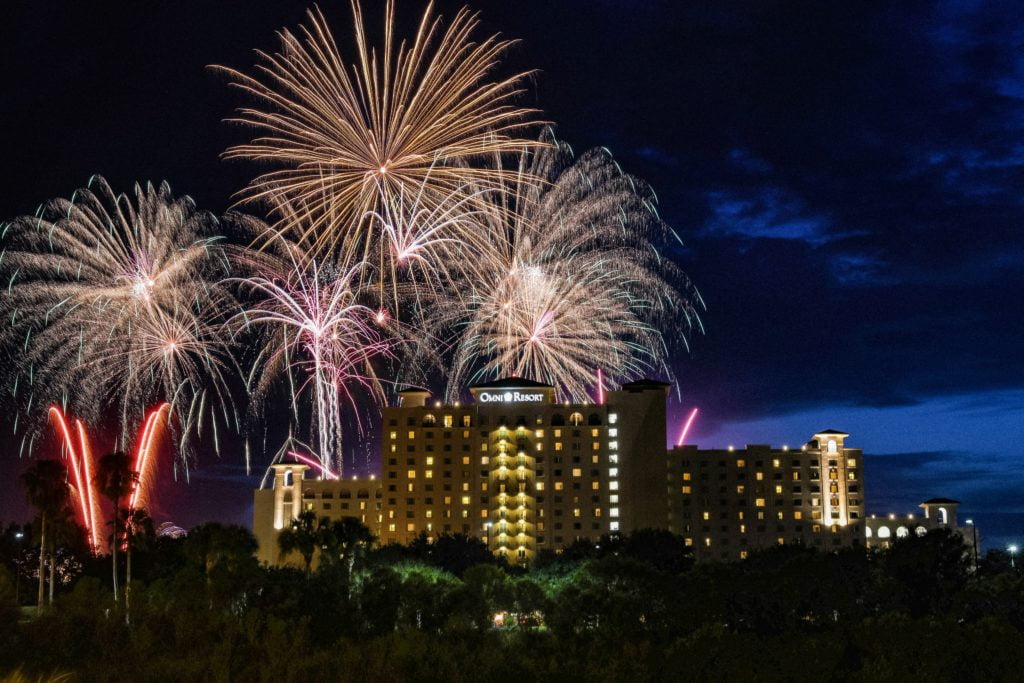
(937, 513)
(726, 503)
(523, 473)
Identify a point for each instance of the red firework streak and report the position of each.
(83, 466)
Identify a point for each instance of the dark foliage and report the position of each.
(632, 608)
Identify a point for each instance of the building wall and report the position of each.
(726, 503)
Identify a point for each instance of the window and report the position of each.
(411, 474)
(759, 476)
(577, 472)
(613, 471)
(540, 486)
(558, 486)
(707, 515)
(740, 489)
(614, 512)
(411, 526)
(394, 435)
(613, 486)
(833, 447)
(687, 489)
(759, 502)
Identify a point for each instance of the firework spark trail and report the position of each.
(79, 468)
(114, 303)
(144, 462)
(349, 137)
(316, 327)
(82, 461)
(573, 279)
(686, 428)
(306, 460)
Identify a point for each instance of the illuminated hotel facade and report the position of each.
(524, 473)
(726, 503)
(514, 467)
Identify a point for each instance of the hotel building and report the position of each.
(524, 472)
(725, 503)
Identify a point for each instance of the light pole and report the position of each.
(18, 535)
(974, 541)
(1012, 549)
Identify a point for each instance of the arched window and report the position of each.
(429, 420)
(920, 531)
(883, 532)
(576, 419)
(943, 516)
(362, 493)
(832, 446)
(557, 420)
(594, 419)
(288, 481)
(867, 532)
(902, 532)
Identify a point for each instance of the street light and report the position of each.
(1012, 549)
(974, 541)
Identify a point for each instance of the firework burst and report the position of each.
(350, 139)
(112, 305)
(314, 332)
(573, 280)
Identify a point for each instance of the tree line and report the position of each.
(633, 606)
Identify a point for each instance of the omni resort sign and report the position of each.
(510, 397)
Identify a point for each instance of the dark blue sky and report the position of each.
(847, 178)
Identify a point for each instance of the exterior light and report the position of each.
(970, 522)
(19, 534)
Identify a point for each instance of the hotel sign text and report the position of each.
(509, 397)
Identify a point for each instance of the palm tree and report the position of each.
(64, 531)
(115, 480)
(138, 531)
(46, 484)
(344, 540)
(303, 537)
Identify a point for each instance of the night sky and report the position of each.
(847, 178)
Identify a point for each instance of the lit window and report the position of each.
(410, 487)
(483, 447)
(394, 435)
(778, 488)
(740, 488)
(688, 542)
(430, 460)
(707, 542)
(851, 462)
(595, 459)
(687, 489)
(780, 514)
(483, 513)
(614, 526)
(613, 471)
(539, 433)
(594, 433)
(430, 514)
(412, 434)
(759, 502)
(484, 460)
(833, 447)
(558, 432)
(558, 486)
(448, 421)
(613, 486)
(613, 459)
(577, 472)
(743, 554)
(575, 512)
(798, 514)
(741, 463)
(759, 476)
(595, 485)
(465, 486)
(743, 528)
(613, 432)
(686, 476)
(540, 486)
(410, 526)
(614, 512)
(465, 422)
(411, 474)
(394, 448)
(851, 474)
(391, 527)
(465, 460)
(558, 445)
(612, 418)
(614, 498)
(775, 462)
(540, 446)
(429, 474)
(613, 445)
(740, 515)
(707, 515)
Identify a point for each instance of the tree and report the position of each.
(138, 531)
(302, 536)
(116, 479)
(344, 541)
(46, 484)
